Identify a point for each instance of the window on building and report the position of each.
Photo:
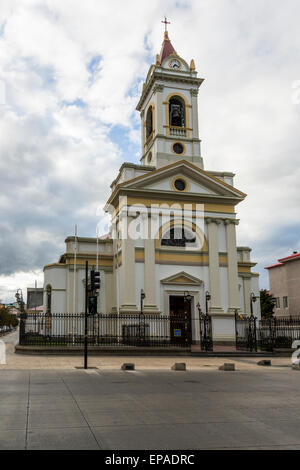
(149, 122)
(285, 302)
(179, 237)
(277, 302)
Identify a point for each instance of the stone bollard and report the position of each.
(179, 366)
(228, 367)
(264, 363)
(128, 366)
(2, 353)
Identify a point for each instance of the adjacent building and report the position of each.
(284, 278)
(34, 298)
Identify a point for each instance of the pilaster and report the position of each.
(214, 268)
(128, 277)
(149, 269)
(232, 273)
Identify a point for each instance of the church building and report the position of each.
(173, 223)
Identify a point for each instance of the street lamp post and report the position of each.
(143, 296)
(207, 299)
(187, 301)
(253, 299)
(20, 301)
(142, 320)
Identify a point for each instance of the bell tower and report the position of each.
(169, 110)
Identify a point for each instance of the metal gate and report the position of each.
(246, 333)
(206, 339)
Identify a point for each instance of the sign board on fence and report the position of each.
(177, 333)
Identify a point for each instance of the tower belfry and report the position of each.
(169, 110)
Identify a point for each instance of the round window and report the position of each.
(180, 185)
(178, 148)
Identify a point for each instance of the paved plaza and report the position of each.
(62, 407)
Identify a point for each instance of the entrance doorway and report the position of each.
(180, 320)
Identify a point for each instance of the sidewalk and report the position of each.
(23, 362)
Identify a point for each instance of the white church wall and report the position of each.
(224, 288)
(223, 329)
(55, 277)
(222, 238)
(58, 301)
(241, 291)
(164, 271)
(80, 290)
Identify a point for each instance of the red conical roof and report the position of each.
(167, 48)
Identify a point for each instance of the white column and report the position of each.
(149, 268)
(159, 110)
(194, 124)
(214, 269)
(128, 284)
(233, 285)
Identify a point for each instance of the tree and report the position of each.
(7, 319)
(266, 304)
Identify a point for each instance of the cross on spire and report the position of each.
(166, 22)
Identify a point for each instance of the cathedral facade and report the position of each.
(174, 223)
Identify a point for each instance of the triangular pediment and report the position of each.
(198, 181)
(182, 278)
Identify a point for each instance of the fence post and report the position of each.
(86, 316)
(236, 328)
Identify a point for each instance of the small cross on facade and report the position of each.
(166, 22)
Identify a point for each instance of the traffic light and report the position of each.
(92, 305)
(95, 280)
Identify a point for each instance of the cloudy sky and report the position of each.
(70, 76)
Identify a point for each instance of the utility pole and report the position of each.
(91, 294)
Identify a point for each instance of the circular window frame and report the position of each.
(179, 154)
(187, 184)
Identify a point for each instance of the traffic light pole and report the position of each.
(86, 316)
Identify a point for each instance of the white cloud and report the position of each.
(57, 158)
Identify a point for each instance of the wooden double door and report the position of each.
(180, 320)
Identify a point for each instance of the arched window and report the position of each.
(177, 111)
(149, 122)
(48, 299)
(179, 236)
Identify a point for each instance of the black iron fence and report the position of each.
(246, 333)
(206, 336)
(267, 334)
(132, 330)
(278, 333)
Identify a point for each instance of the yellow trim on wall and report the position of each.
(108, 262)
(220, 208)
(244, 270)
(181, 258)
